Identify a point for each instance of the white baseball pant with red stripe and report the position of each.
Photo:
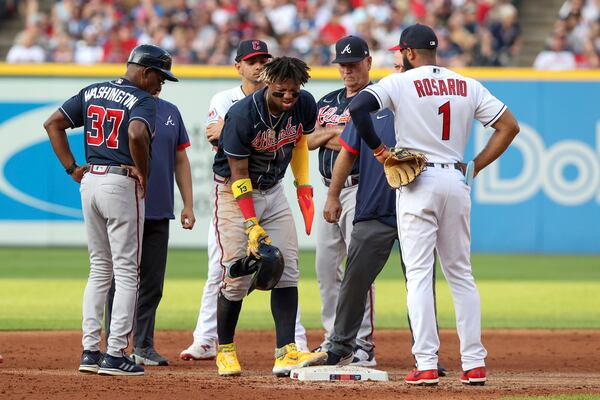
(206, 327)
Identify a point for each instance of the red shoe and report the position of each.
(429, 377)
(475, 376)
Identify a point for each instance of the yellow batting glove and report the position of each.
(256, 234)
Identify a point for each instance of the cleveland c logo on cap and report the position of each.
(256, 45)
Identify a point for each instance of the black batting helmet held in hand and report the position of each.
(153, 57)
(270, 268)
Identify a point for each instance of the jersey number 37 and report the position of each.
(99, 115)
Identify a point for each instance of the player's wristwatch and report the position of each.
(72, 168)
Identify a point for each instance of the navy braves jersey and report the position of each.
(248, 133)
(333, 110)
(375, 199)
(170, 137)
(105, 110)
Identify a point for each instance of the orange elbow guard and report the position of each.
(307, 207)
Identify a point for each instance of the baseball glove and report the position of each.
(403, 166)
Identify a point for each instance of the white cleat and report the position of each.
(199, 351)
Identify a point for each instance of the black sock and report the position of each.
(227, 318)
(284, 306)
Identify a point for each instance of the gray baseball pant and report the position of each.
(370, 247)
(113, 211)
(332, 244)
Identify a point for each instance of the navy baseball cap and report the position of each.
(417, 36)
(251, 48)
(350, 49)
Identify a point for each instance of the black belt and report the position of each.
(457, 166)
(350, 181)
(106, 169)
(255, 186)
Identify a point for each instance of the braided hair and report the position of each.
(281, 69)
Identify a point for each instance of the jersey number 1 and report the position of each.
(445, 110)
(98, 114)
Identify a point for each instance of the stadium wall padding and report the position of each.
(542, 196)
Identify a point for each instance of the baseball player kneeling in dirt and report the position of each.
(261, 135)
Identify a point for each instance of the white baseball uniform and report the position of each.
(434, 109)
(206, 327)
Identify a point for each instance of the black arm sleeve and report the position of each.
(361, 107)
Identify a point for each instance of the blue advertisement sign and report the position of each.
(541, 196)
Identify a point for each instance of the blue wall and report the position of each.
(543, 195)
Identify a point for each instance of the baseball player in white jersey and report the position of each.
(434, 109)
(333, 239)
(250, 59)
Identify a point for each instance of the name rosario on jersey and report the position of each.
(327, 115)
(267, 140)
(112, 94)
(441, 87)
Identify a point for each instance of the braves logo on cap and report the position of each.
(256, 45)
(347, 49)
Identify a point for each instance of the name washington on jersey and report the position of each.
(113, 94)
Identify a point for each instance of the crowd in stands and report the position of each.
(471, 32)
(575, 38)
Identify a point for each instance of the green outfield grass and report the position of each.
(43, 288)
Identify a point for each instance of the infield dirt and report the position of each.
(43, 365)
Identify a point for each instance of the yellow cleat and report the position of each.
(289, 357)
(227, 360)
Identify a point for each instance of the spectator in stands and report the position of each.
(588, 58)
(449, 54)
(26, 50)
(7, 9)
(556, 57)
(595, 34)
(179, 14)
(282, 16)
(146, 11)
(62, 48)
(471, 17)
(88, 51)
(332, 31)
(205, 38)
(461, 36)
(119, 45)
(76, 23)
(183, 52)
(506, 34)
(221, 53)
(484, 54)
